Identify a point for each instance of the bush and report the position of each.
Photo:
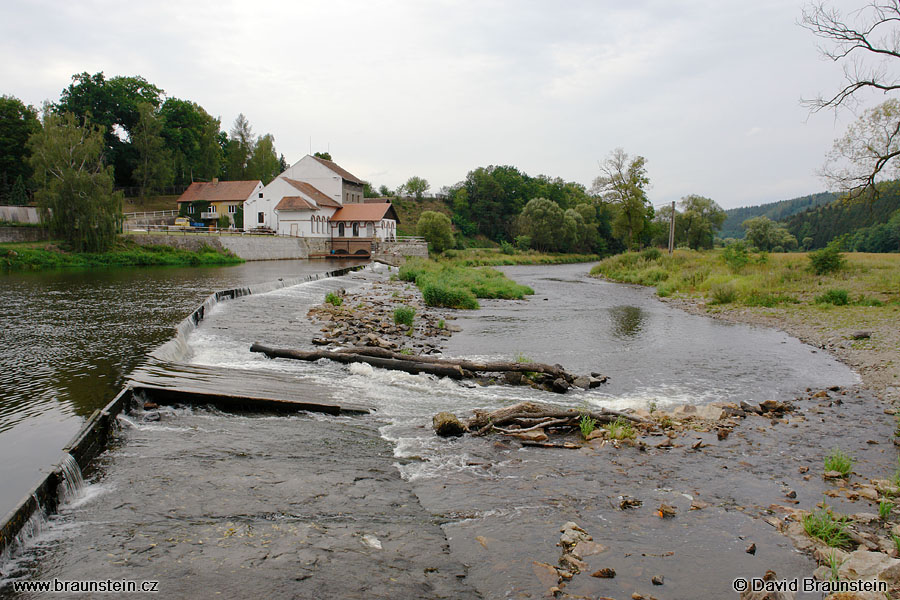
(436, 294)
(403, 315)
(837, 297)
(507, 248)
(724, 293)
(736, 256)
(826, 260)
(523, 242)
(333, 299)
(437, 230)
(649, 254)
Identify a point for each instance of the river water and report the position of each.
(377, 506)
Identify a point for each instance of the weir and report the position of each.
(163, 380)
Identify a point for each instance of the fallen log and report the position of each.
(408, 366)
(468, 365)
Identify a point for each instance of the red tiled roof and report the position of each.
(295, 203)
(344, 173)
(320, 198)
(220, 191)
(365, 212)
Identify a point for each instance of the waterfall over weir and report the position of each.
(72, 482)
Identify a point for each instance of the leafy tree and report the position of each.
(74, 188)
(622, 183)
(263, 163)
(113, 104)
(18, 195)
(385, 191)
(369, 190)
(154, 167)
(543, 221)
(435, 227)
(323, 155)
(416, 186)
(766, 234)
(240, 147)
(17, 123)
(868, 43)
(699, 220)
(193, 138)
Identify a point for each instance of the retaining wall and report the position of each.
(396, 253)
(248, 247)
(23, 234)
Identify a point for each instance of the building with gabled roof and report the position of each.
(208, 200)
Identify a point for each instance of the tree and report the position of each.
(867, 45)
(240, 147)
(416, 186)
(699, 220)
(543, 221)
(323, 155)
(435, 227)
(622, 183)
(766, 234)
(18, 195)
(194, 139)
(154, 166)
(385, 191)
(74, 188)
(17, 123)
(263, 163)
(113, 105)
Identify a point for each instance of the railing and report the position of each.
(409, 238)
(209, 215)
(150, 214)
(174, 230)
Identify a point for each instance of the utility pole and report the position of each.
(672, 230)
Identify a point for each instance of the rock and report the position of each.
(657, 580)
(150, 405)
(320, 341)
(864, 517)
(666, 442)
(597, 433)
(596, 381)
(665, 511)
(864, 564)
(587, 548)
(886, 487)
(559, 385)
(605, 573)
(582, 382)
(535, 435)
(747, 407)
(774, 406)
(546, 574)
(628, 502)
(853, 595)
(513, 377)
(860, 335)
(751, 549)
(868, 492)
(446, 424)
(572, 535)
(697, 445)
(791, 494)
(820, 394)
(572, 564)
(722, 433)
(832, 475)
(151, 416)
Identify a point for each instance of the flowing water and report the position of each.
(376, 505)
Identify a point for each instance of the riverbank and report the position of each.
(38, 256)
(851, 313)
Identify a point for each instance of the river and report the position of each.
(377, 506)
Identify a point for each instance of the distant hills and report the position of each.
(777, 211)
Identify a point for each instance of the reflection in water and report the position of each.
(627, 321)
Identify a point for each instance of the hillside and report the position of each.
(777, 211)
(409, 210)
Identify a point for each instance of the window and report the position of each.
(190, 209)
(355, 229)
(260, 194)
(340, 230)
(261, 217)
(232, 208)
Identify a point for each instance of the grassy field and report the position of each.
(494, 257)
(765, 280)
(150, 204)
(36, 256)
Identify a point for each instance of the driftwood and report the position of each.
(407, 365)
(468, 365)
(527, 413)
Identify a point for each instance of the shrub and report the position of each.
(333, 299)
(840, 461)
(649, 254)
(437, 230)
(507, 248)
(523, 242)
(767, 300)
(837, 297)
(864, 300)
(436, 294)
(403, 315)
(724, 293)
(736, 256)
(826, 260)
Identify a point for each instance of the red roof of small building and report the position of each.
(344, 173)
(365, 212)
(320, 198)
(289, 203)
(219, 191)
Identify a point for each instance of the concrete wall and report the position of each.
(248, 247)
(396, 253)
(23, 234)
(19, 214)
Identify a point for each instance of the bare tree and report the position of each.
(866, 42)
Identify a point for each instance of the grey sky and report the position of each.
(707, 91)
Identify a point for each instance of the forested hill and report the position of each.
(865, 219)
(776, 211)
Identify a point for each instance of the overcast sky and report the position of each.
(708, 91)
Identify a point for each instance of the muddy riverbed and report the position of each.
(213, 504)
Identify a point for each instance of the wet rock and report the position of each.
(657, 580)
(572, 564)
(559, 385)
(666, 442)
(628, 502)
(582, 382)
(751, 549)
(446, 424)
(535, 435)
(791, 494)
(150, 405)
(604, 573)
(595, 434)
(747, 407)
(864, 564)
(868, 492)
(597, 381)
(864, 517)
(722, 433)
(546, 574)
(665, 511)
(320, 341)
(820, 394)
(832, 475)
(151, 416)
(860, 335)
(513, 378)
(774, 406)
(587, 548)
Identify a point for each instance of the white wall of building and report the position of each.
(322, 178)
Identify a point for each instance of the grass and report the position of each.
(620, 429)
(333, 299)
(495, 257)
(445, 283)
(836, 297)
(403, 315)
(834, 565)
(885, 507)
(586, 425)
(840, 461)
(39, 256)
(831, 529)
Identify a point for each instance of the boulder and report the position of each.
(864, 564)
(583, 382)
(446, 424)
